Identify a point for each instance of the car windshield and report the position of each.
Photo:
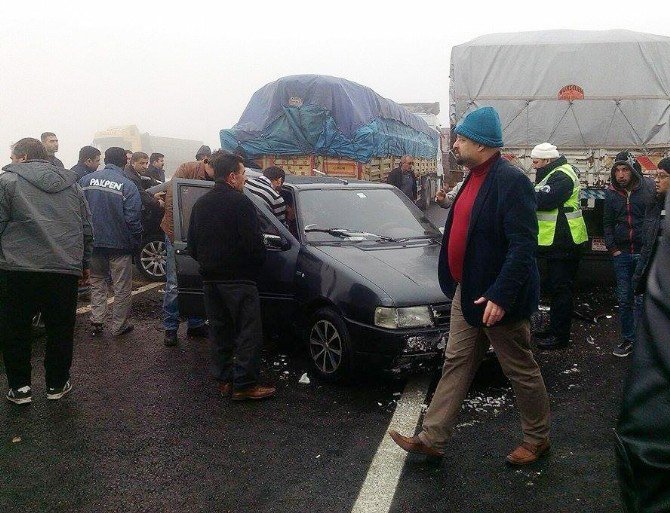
(361, 214)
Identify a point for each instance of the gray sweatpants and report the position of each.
(121, 270)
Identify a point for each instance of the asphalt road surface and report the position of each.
(144, 429)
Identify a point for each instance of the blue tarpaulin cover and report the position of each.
(327, 116)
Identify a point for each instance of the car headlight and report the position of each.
(410, 317)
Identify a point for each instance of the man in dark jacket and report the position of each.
(626, 201)
(404, 178)
(115, 209)
(155, 170)
(224, 236)
(487, 265)
(562, 234)
(644, 423)
(653, 226)
(40, 265)
(50, 142)
(89, 161)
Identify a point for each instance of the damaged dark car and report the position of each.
(354, 271)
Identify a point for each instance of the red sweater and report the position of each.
(458, 234)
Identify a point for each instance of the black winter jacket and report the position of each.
(643, 429)
(623, 216)
(501, 245)
(554, 194)
(652, 228)
(224, 236)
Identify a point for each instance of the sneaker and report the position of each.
(21, 395)
(55, 393)
(623, 349)
(96, 329)
(200, 331)
(170, 339)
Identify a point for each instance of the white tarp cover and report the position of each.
(624, 75)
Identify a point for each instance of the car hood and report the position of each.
(407, 274)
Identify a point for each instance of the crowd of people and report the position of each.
(59, 228)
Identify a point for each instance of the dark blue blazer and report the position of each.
(500, 250)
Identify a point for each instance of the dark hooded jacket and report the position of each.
(644, 424)
(45, 223)
(624, 211)
(652, 230)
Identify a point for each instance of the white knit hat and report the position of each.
(545, 151)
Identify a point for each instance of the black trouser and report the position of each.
(234, 314)
(22, 294)
(561, 274)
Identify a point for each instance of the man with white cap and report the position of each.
(562, 232)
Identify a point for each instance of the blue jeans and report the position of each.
(170, 304)
(630, 304)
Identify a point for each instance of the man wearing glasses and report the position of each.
(404, 178)
(653, 227)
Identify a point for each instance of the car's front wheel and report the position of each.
(151, 260)
(329, 345)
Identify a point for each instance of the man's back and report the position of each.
(116, 208)
(44, 224)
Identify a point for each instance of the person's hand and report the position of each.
(492, 313)
(85, 277)
(160, 196)
(441, 195)
(616, 253)
(161, 203)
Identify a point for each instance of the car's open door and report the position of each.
(189, 282)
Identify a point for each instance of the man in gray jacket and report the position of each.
(45, 247)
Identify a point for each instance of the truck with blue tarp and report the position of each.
(316, 123)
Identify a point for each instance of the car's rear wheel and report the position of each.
(329, 345)
(151, 260)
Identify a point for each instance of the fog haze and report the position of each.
(79, 67)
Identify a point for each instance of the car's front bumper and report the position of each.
(399, 350)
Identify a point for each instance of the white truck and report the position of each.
(590, 93)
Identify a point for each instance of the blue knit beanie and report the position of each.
(482, 126)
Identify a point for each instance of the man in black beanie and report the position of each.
(203, 152)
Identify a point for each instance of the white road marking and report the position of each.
(381, 482)
(144, 288)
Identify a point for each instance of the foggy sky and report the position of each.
(74, 68)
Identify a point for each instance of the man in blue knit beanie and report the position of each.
(487, 267)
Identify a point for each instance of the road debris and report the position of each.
(304, 379)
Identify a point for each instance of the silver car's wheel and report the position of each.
(153, 260)
(329, 345)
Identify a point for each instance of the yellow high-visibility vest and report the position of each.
(547, 219)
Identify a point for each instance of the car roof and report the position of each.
(322, 182)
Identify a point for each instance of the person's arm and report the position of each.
(87, 229)
(445, 197)
(520, 228)
(249, 232)
(555, 192)
(132, 212)
(609, 221)
(5, 205)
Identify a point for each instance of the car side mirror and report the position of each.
(275, 242)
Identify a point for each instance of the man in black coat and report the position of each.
(653, 227)
(404, 178)
(643, 430)
(224, 236)
(487, 265)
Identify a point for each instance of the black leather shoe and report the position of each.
(199, 332)
(551, 343)
(170, 339)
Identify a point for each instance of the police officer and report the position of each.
(562, 232)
